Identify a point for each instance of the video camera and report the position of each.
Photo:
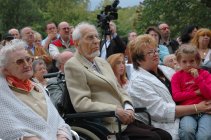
(109, 13)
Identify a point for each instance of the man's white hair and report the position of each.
(77, 33)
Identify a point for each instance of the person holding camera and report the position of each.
(112, 43)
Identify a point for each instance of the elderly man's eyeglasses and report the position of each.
(153, 52)
(92, 37)
(22, 61)
(66, 28)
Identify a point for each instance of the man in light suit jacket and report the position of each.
(92, 86)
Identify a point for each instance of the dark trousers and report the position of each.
(140, 131)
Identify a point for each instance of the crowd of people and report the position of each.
(150, 70)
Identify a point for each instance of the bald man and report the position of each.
(62, 59)
(63, 42)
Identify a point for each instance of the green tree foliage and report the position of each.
(177, 13)
(126, 20)
(35, 13)
(67, 10)
(18, 13)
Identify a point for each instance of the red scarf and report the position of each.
(23, 85)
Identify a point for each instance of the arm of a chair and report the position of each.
(140, 109)
(144, 110)
(75, 135)
(84, 115)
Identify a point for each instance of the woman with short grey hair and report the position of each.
(26, 110)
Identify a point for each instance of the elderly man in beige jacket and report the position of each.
(93, 87)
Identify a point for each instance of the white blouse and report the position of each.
(148, 91)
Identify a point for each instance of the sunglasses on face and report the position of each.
(22, 61)
(164, 28)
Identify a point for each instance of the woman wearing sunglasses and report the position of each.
(26, 111)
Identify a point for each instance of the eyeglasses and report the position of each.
(22, 61)
(153, 52)
(66, 28)
(91, 37)
(164, 28)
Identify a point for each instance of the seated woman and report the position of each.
(26, 111)
(39, 69)
(117, 63)
(202, 40)
(150, 87)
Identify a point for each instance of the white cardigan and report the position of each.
(17, 120)
(146, 90)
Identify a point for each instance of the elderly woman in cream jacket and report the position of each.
(150, 87)
(26, 110)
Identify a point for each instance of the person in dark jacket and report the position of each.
(112, 44)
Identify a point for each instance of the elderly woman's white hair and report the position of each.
(77, 33)
(12, 46)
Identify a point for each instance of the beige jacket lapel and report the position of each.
(102, 66)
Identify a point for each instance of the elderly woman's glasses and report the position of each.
(153, 52)
(22, 61)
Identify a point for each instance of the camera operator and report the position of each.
(112, 43)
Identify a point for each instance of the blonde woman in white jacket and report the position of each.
(150, 87)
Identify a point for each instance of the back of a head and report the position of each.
(62, 58)
(185, 35)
